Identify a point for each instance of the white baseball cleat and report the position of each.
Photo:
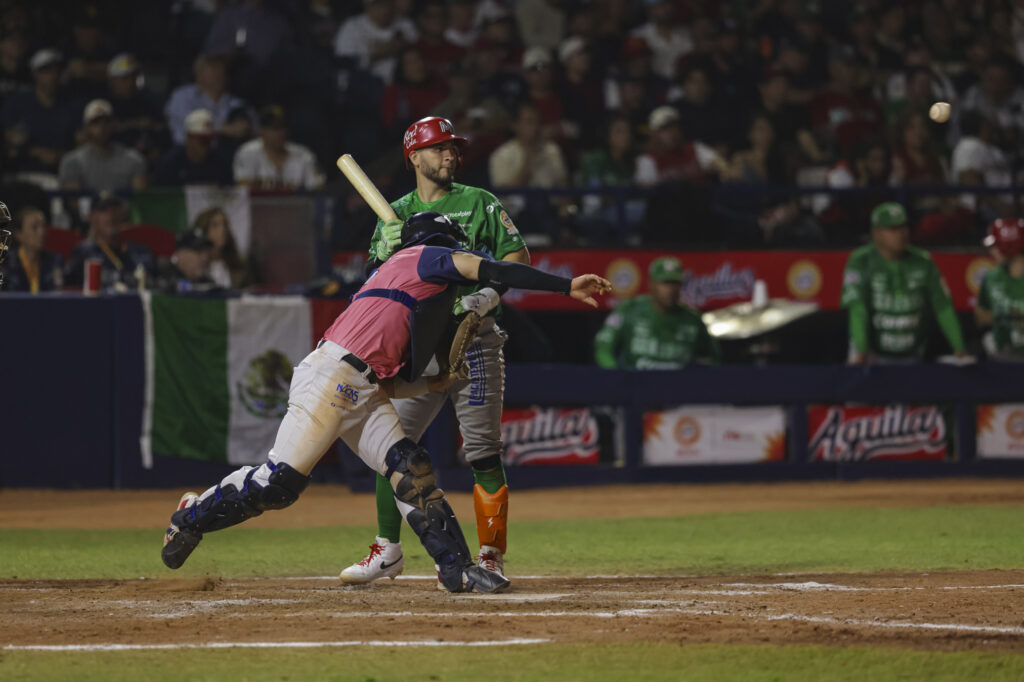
(491, 559)
(385, 560)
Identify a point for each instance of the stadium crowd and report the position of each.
(667, 99)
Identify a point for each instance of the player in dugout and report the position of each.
(656, 331)
(377, 349)
(1001, 300)
(888, 288)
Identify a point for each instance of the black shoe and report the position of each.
(481, 580)
(179, 543)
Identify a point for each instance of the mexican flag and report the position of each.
(218, 372)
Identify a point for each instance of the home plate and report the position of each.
(521, 597)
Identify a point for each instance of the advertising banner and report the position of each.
(551, 435)
(1001, 431)
(719, 278)
(841, 433)
(714, 434)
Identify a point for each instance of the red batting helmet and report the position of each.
(430, 131)
(1007, 235)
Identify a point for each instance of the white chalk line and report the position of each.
(269, 645)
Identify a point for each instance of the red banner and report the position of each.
(549, 435)
(716, 279)
(855, 434)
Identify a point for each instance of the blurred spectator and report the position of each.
(910, 87)
(499, 32)
(198, 161)
(271, 161)
(188, 270)
(88, 54)
(977, 161)
(915, 159)
(101, 165)
(438, 52)
(529, 160)
(30, 268)
(537, 69)
(761, 161)
(655, 330)
(841, 113)
(14, 72)
(413, 94)
(228, 269)
(258, 43)
(1001, 300)
(843, 216)
(791, 122)
(140, 123)
(122, 261)
(39, 124)
(670, 157)
(667, 40)
(320, 20)
(700, 114)
(374, 38)
(634, 88)
(249, 31)
(613, 164)
(889, 37)
(208, 92)
(728, 68)
(998, 97)
(580, 90)
(541, 23)
(889, 289)
(462, 29)
(794, 60)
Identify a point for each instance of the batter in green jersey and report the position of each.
(889, 287)
(434, 152)
(1001, 300)
(656, 331)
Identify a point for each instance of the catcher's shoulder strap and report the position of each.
(402, 297)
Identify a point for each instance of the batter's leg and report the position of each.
(478, 406)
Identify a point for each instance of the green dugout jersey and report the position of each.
(888, 302)
(638, 336)
(481, 215)
(1003, 295)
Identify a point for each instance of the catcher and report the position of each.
(375, 350)
(5, 236)
(433, 150)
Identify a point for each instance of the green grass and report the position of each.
(934, 538)
(590, 663)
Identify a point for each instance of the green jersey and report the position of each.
(888, 301)
(481, 215)
(639, 336)
(1003, 295)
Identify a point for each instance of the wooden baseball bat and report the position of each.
(366, 188)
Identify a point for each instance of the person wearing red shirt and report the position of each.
(840, 112)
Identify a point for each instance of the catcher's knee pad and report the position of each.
(491, 516)
(412, 477)
(242, 495)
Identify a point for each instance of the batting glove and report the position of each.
(480, 302)
(390, 239)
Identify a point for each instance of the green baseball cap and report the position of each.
(888, 215)
(666, 269)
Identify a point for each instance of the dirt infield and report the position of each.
(946, 611)
(976, 610)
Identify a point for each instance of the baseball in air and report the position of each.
(939, 112)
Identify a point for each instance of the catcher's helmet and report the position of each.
(5, 214)
(1006, 235)
(430, 227)
(430, 131)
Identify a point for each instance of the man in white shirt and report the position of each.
(529, 160)
(668, 41)
(374, 38)
(977, 161)
(272, 162)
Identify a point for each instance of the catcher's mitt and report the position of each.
(464, 336)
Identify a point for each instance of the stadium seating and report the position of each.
(159, 240)
(61, 240)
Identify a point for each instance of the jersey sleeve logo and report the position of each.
(509, 225)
